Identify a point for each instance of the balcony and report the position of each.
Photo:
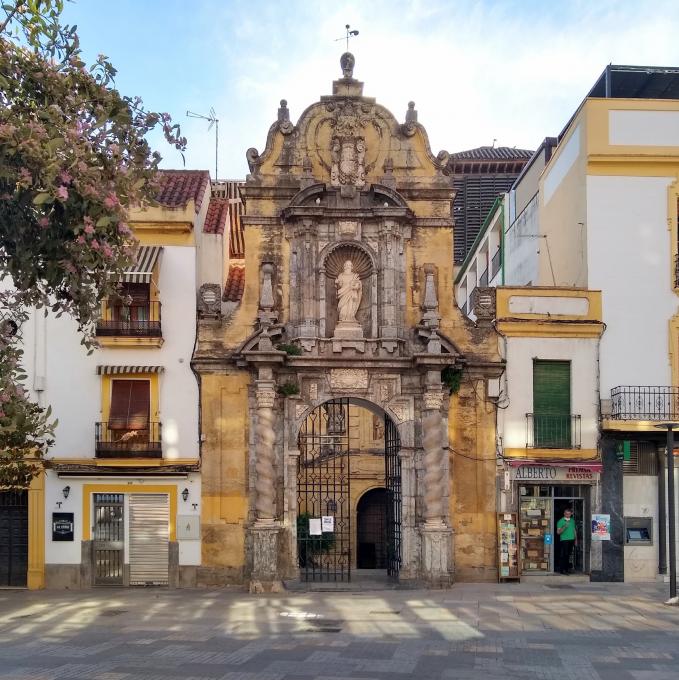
(553, 431)
(117, 442)
(645, 402)
(137, 320)
(495, 263)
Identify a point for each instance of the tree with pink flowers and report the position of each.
(73, 160)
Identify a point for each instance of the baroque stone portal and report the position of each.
(348, 299)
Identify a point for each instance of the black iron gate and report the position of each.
(13, 538)
(323, 500)
(392, 473)
(109, 539)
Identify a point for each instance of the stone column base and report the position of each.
(265, 577)
(437, 555)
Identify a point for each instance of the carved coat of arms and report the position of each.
(348, 148)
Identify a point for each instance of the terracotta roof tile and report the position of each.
(217, 213)
(178, 187)
(235, 283)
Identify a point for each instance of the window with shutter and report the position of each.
(130, 405)
(552, 404)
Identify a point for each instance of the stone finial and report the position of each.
(388, 178)
(430, 303)
(307, 178)
(411, 114)
(267, 314)
(252, 156)
(266, 300)
(284, 124)
(347, 62)
(410, 126)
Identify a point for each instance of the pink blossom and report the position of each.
(65, 177)
(2, 413)
(44, 222)
(89, 222)
(108, 251)
(4, 398)
(94, 244)
(25, 176)
(62, 193)
(89, 229)
(124, 229)
(111, 201)
(80, 240)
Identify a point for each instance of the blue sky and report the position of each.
(513, 71)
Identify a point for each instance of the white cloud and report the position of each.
(477, 71)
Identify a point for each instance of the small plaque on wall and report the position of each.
(188, 527)
(62, 526)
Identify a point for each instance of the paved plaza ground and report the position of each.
(472, 631)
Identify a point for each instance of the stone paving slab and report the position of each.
(470, 632)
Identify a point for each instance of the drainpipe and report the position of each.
(662, 516)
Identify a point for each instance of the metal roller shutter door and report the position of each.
(149, 549)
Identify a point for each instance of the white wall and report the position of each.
(73, 388)
(643, 128)
(629, 260)
(69, 552)
(521, 247)
(640, 494)
(520, 352)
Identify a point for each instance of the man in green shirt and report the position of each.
(565, 529)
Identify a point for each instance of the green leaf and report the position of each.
(41, 198)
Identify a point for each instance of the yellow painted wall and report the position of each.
(471, 431)
(224, 507)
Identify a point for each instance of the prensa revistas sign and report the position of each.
(554, 473)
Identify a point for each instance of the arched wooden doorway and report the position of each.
(371, 530)
(324, 512)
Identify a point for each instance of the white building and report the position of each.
(604, 217)
(122, 482)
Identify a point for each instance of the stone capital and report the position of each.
(432, 399)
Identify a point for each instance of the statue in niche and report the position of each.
(349, 290)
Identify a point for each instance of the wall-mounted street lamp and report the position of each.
(670, 510)
(185, 495)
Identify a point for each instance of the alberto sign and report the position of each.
(553, 473)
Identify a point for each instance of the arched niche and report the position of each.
(363, 260)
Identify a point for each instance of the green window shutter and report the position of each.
(552, 404)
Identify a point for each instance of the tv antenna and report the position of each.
(350, 34)
(213, 120)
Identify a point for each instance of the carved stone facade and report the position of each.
(349, 293)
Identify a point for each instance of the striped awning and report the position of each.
(141, 271)
(115, 370)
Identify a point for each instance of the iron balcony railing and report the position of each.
(134, 320)
(547, 431)
(495, 263)
(645, 402)
(114, 441)
(483, 281)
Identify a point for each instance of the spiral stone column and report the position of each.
(435, 534)
(264, 464)
(433, 451)
(265, 577)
